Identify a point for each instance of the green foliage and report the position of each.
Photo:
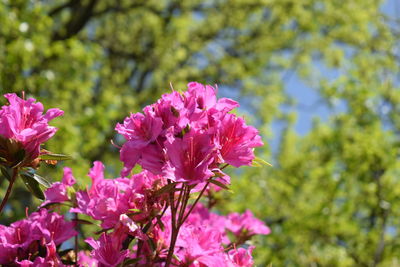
(331, 197)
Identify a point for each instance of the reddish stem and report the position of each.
(76, 239)
(10, 185)
(174, 228)
(194, 203)
(176, 224)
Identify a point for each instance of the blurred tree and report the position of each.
(331, 197)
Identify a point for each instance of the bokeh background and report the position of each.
(319, 78)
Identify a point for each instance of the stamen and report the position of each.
(19, 234)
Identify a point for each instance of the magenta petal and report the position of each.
(129, 155)
(53, 113)
(24, 121)
(189, 157)
(68, 179)
(97, 171)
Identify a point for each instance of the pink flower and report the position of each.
(196, 121)
(24, 121)
(51, 259)
(170, 108)
(108, 249)
(57, 193)
(107, 199)
(205, 98)
(140, 130)
(153, 159)
(240, 257)
(15, 240)
(102, 200)
(25, 237)
(200, 246)
(202, 216)
(53, 226)
(237, 141)
(189, 157)
(246, 224)
(85, 260)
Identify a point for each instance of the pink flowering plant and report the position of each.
(154, 217)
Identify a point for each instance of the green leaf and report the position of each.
(54, 204)
(160, 223)
(166, 189)
(32, 185)
(81, 221)
(32, 175)
(261, 162)
(218, 183)
(65, 252)
(19, 158)
(174, 111)
(218, 174)
(2, 160)
(152, 244)
(55, 157)
(129, 262)
(102, 231)
(134, 210)
(256, 164)
(128, 240)
(41, 180)
(6, 172)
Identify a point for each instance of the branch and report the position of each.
(383, 213)
(60, 8)
(80, 16)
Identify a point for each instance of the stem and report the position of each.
(224, 166)
(195, 202)
(174, 237)
(186, 196)
(183, 188)
(76, 238)
(181, 217)
(10, 185)
(174, 228)
(140, 243)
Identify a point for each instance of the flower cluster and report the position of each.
(107, 199)
(23, 124)
(124, 206)
(33, 241)
(186, 137)
(204, 239)
(151, 218)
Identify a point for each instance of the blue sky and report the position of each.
(308, 101)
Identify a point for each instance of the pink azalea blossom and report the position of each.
(108, 249)
(53, 226)
(15, 240)
(58, 192)
(107, 199)
(23, 238)
(200, 246)
(24, 121)
(237, 141)
(170, 109)
(140, 130)
(240, 257)
(103, 201)
(196, 121)
(206, 98)
(85, 260)
(246, 224)
(51, 259)
(189, 157)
